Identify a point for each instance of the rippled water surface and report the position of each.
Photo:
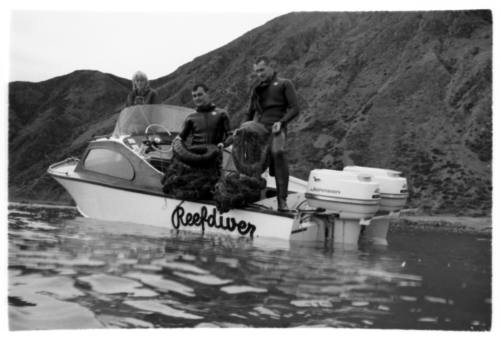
(69, 272)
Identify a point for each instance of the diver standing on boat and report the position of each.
(141, 93)
(273, 103)
(209, 124)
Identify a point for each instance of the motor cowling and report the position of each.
(348, 194)
(393, 188)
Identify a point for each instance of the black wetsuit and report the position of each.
(274, 101)
(208, 125)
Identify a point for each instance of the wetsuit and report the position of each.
(274, 101)
(146, 96)
(208, 125)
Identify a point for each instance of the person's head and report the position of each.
(139, 81)
(263, 68)
(200, 95)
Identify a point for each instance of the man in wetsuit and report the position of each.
(273, 103)
(209, 124)
(141, 92)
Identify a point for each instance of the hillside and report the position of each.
(408, 91)
(54, 119)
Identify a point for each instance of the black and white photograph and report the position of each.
(263, 168)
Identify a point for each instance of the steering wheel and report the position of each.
(154, 141)
(157, 125)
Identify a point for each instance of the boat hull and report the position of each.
(119, 205)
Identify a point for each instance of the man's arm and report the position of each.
(227, 133)
(291, 98)
(186, 129)
(252, 105)
(250, 111)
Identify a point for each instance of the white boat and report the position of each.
(119, 179)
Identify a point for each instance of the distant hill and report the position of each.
(401, 90)
(53, 119)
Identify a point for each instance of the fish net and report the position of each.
(251, 149)
(187, 182)
(251, 158)
(231, 189)
(235, 190)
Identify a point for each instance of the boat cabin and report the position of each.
(139, 150)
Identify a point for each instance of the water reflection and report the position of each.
(69, 272)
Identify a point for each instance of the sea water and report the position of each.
(70, 272)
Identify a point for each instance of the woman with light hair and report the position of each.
(141, 93)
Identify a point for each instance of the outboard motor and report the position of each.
(393, 196)
(350, 196)
(393, 189)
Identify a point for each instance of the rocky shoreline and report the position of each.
(459, 224)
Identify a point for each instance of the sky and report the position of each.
(45, 44)
(52, 38)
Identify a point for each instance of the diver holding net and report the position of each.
(196, 166)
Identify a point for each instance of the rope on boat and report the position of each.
(201, 156)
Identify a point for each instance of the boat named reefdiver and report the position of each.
(202, 218)
(122, 170)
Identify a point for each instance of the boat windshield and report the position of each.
(135, 119)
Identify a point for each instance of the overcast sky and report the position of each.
(45, 44)
(52, 38)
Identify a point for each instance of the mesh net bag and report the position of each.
(187, 182)
(251, 149)
(235, 190)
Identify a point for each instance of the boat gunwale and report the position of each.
(153, 192)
